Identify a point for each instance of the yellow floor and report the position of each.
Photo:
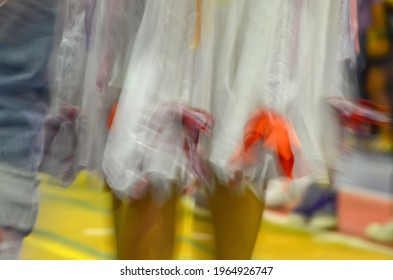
(76, 224)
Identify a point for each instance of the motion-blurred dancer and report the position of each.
(26, 36)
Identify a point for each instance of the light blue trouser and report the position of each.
(26, 38)
(10, 243)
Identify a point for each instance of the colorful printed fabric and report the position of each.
(192, 122)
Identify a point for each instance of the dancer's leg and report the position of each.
(237, 219)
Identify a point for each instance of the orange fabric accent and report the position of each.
(273, 132)
(197, 34)
(112, 114)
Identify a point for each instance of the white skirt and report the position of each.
(145, 145)
(283, 55)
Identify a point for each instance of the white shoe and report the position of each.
(381, 233)
(323, 222)
(277, 195)
(297, 220)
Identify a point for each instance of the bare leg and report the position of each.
(144, 229)
(237, 219)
